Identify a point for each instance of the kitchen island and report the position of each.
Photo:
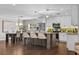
(50, 38)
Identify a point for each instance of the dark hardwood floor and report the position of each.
(19, 49)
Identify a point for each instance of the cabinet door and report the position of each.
(71, 40)
(75, 15)
(62, 37)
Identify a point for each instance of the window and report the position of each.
(9, 26)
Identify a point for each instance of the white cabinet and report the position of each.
(75, 15)
(65, 21)
(62, 37)
(71, 40)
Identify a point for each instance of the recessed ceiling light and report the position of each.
(47, 16)
(13, 4)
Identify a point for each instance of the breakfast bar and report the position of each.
(50, 38)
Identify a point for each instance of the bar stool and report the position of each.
(33, 37)
(10, 39)
(18, 36)
(42, 37)
(26, 38)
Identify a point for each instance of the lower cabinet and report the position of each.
(71, 41)
(39, 42)
(62, 37)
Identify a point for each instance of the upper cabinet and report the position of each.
(74, 15)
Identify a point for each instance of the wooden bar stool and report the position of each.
(33, 37)
(26, 38)
(10, 39)
(18, 36)
(42, 37)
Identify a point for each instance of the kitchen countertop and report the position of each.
(45, 32)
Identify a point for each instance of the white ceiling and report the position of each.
(28, 10)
